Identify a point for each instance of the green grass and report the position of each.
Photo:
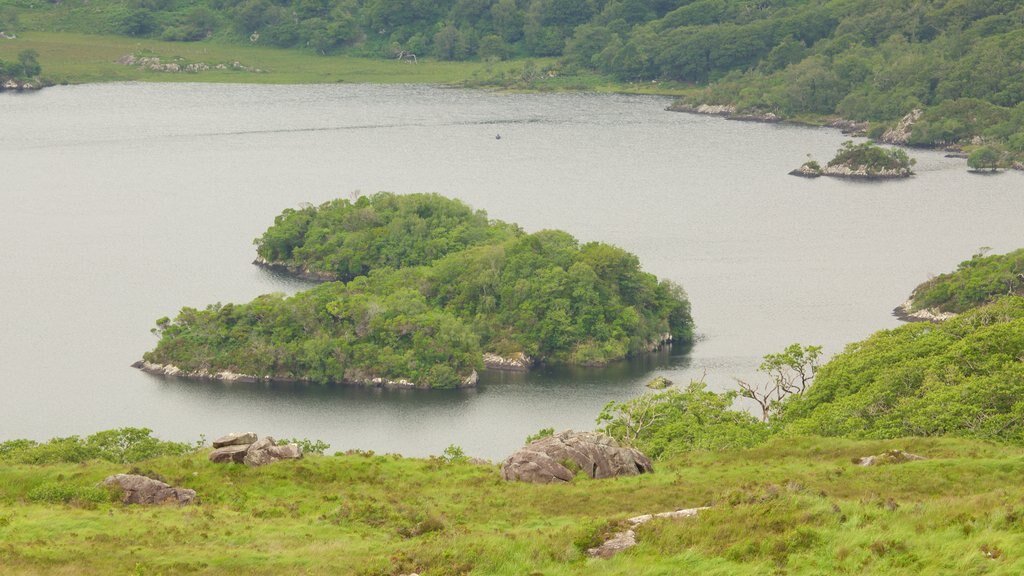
(796, 506)
(79, 58)
(75, 58)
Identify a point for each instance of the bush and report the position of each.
(123, 445)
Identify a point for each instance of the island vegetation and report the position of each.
(428, 321)
(864, 160)
(342, 239)
(975, 282)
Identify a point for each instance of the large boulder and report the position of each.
(559, 457)
(235, 439)
(265, 452)
(229, 454)
(144, 490)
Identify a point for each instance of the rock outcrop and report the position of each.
(154, 64)
(244, 448)
(850, 127)
(727, 111)
(843, 171)
(294, 270)
(807, 170)
(144, 490)
(627, 538)
(888, 457)
(517, 362)
(900, 134)
(235, 438)
(559, 457)
(229, 454)
(203, 374)
(907, 313)
(228, 376)
(20, 85)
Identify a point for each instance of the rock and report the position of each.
(806, 170)
(907, 313)
(202, 374)
(549, 459)
(659, 383)
(900, 134)
(234, 439)
(517, 362)
(851, 127)
(235, 453)
(715, 109)
(627, 538)
(536, 467)
(265, 452)
(144, 490)
(843, 171)
(888, 457)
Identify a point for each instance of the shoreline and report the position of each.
(232, 377)
(904, 313)
(300, 272)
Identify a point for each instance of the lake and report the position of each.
(121, 203)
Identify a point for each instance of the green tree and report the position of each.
(985, 158)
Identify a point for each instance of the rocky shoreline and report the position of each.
(906, 313)
(300, 272)
(726, 111)
(517, 362)
(15, 85)
(228, 376)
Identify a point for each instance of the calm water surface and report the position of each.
(120, 203)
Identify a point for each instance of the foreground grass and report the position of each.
(76, 58)
(793, 507)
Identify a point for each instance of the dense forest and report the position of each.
(425, 318)
(975, 282)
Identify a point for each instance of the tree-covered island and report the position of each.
(434, 286)
(865, 160)
(976, 282)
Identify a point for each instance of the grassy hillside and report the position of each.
(797, 506)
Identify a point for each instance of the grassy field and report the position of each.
(74, 58)
(796, 506)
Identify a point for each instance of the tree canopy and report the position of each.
(344, 239)
(975, 282)
(542, 294)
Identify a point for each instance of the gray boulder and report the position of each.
(559, 457)
(144, 490)
(227, 454)
(266, 452)
(235, 439)
(888, 457)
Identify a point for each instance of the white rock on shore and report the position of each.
(906, 313)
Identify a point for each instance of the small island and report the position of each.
(434, 293)
(866, 160)
(976, 282)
